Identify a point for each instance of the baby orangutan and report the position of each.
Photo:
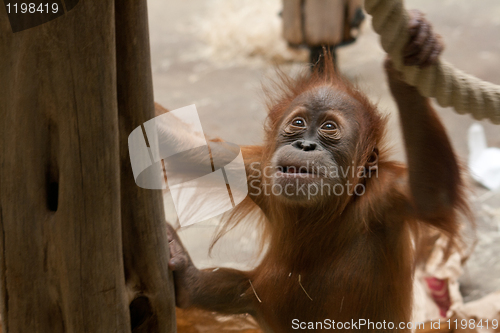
(340, 247)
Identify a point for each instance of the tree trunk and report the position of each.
(82, 248)
(145, 244)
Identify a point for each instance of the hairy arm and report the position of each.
(434, 174)
(221, 289)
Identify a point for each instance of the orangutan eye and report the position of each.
(299, 122)
(329, 126)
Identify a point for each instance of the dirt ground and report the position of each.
(196, 59)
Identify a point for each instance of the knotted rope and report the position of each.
(450, 86)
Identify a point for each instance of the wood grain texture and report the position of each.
(62, 190)
(145, 243)
(316, 22)
(292, 21)
(324, 21)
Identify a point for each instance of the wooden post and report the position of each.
(314, 22)
(82, 249)
(145, 244)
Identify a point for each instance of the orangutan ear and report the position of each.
(372, 163)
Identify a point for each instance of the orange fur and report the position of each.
(354, 254)
(344, 257)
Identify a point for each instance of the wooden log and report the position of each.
(318, 22)
(292, 21)
(145, 244)
(63, 177)
(324, 22)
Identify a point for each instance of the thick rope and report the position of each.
(450, 86)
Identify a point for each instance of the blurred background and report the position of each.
(216, 54)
